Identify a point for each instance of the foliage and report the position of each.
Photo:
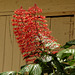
(9, 73)
(32, 69)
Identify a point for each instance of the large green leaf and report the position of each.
(26, 68)
(32, 69)
(9, 73)
(36, 70)
(69, 44)
(67, 52)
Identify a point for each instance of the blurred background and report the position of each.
(60, 15)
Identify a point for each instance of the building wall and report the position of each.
(61, 25)
(46, 5)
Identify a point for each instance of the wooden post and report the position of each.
(74, 27)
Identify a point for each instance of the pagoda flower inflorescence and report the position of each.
(32, 33)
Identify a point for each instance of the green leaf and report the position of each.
(71, 62)
(70, 69)
(26, 68)
(67, 52)
(9, 73)
(36, 70)
(72, 42)
(32, 69)
(46, 58)
(65, 55)
(66, 46)
(69, 44)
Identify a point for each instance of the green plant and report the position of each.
(55, 64)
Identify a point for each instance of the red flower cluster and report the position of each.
(30, 29)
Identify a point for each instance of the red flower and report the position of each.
(30, 31)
